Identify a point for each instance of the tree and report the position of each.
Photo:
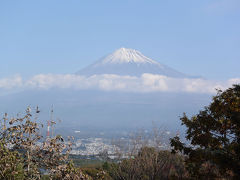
(11, 164)
(24, 154)
(213, 137)
(149, 164)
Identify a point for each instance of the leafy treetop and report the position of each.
(214, 137)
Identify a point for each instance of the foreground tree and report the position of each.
(25, 154)
(213, 136)
(11, 164)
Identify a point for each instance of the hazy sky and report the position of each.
(59, 36)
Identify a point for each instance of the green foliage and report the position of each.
(96, 173)
(86, 163)
(214, 136)
(11, 164)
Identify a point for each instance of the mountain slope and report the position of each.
(129, 62)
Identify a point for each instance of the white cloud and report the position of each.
(11, 82)
(155, 82)
(111, 82)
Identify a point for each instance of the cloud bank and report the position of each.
(110, 82)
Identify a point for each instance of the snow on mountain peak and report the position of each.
(128, 62)
(124, 55)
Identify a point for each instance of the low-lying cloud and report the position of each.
(110, 82)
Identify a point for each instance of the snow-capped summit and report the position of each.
(124, 55)
(129, 62)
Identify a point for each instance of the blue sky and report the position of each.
(59, 36)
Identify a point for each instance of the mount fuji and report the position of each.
(129, 62)
(95, 109)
